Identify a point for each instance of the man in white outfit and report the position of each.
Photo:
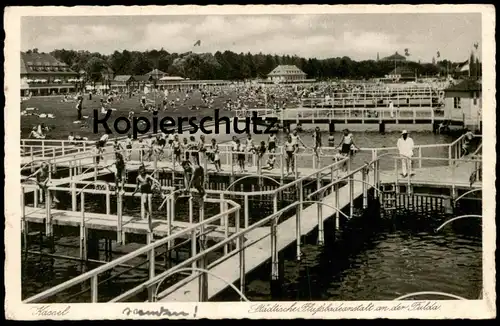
(391, 109)
(405, 147)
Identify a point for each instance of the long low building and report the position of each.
(42, 74)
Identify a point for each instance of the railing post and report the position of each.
(337, 204)
(364, 175)
(449, 155)
(94, 285)
(24, 226)
(351, 196)
(420, 157)
(203, 278)
(83, 229)
(151, 264)
(246, 212)
(241, 251)
(274, 241)
(321, 234)
(35, 197)
(108, 200)
(43, 148)
(62, 148)
(224, 221)
(119, 228)
(48, 220)
(298, 220)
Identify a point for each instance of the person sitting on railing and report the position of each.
(160, 145)
(296, 140)
(272, 143)
(468, 136)
(42, 180)
(194, 177)
(117, 147)
(331, 140)
(270, 162)
(290, 150)
(191, 147)
(150, 143)
(128, 146)
(405, 146)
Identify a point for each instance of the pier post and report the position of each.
(381, 127)
(108, 199)
(48, 219)
(151, 264)
(203, 278)
(83, 229)
(274, 242)
(364, 174)
(298, 219)
(241, 254)
(337, 205)
(119, 231)
(24, 226)
(331, 126)
(351, 197)
(246, 208)
(321, 232)
(73, 196)
(35, 197)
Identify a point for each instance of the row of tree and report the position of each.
(228, 65)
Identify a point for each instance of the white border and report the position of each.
(14, 309)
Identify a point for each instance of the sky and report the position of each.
(358, 36)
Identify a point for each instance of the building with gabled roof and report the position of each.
(463, 102)
(286, 73)
(402, 73)
(46, 75)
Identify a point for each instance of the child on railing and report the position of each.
(42, 180)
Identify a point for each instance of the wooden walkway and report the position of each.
(105, 222)
(260, 251)
(438, 176)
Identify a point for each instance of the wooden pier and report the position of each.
(246, 245)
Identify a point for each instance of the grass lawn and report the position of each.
(65, 112)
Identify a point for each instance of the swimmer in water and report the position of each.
(194, 177)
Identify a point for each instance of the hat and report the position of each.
(404, 132)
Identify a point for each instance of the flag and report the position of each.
(198, 43)
(407, 53)
(464, 66)
(476, 45)
(438, 54)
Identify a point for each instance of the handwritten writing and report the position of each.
(314, 308)
(48, 311)
(156, 312)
